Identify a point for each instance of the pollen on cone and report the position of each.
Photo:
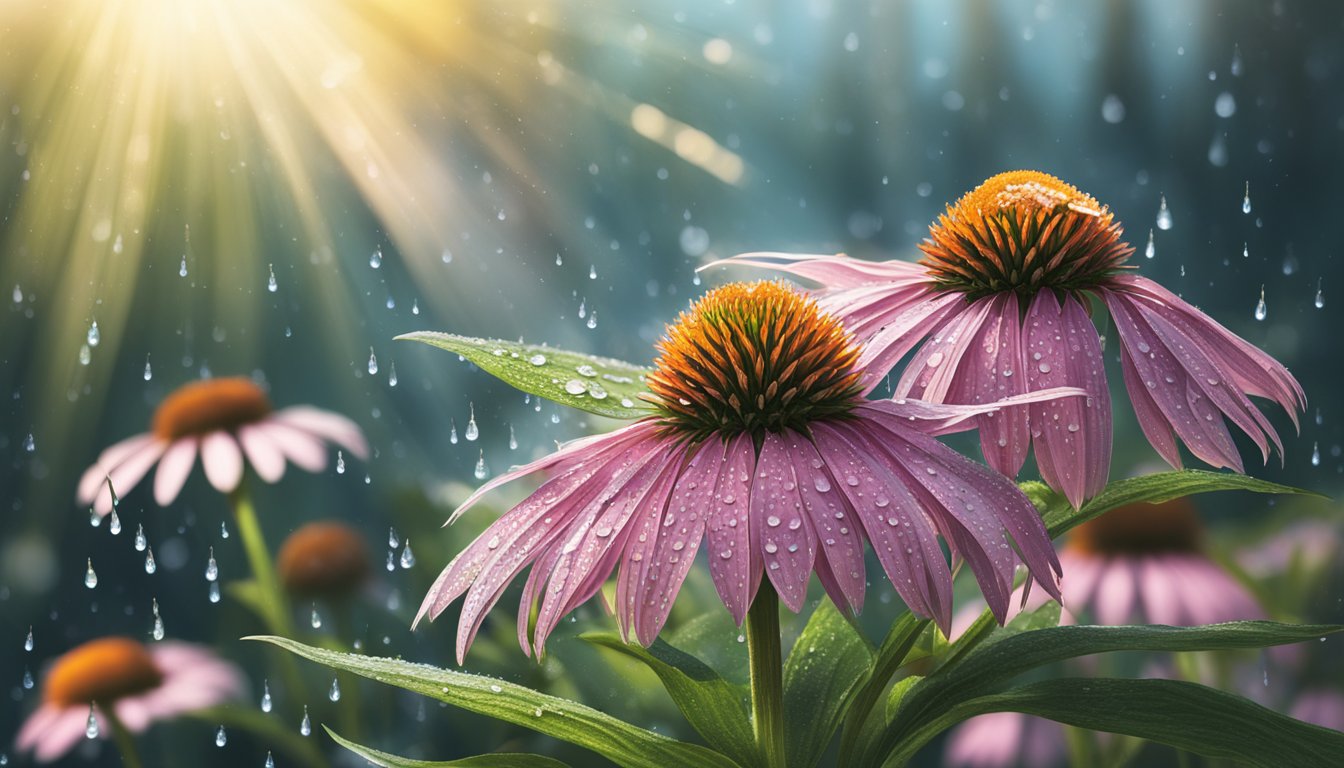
(102, 670)
(202, 407)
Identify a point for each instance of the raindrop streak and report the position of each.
(1315, 454)
(391, 561)
(182, 268)
(471, 432)
(114, 523)
(214, 592)
(1163, 215)
(306, 727)
(392, 375)
(1236, 67)
(266, 696)
(340, 463)
(592, 272)
(270, 281)
(221, 738)
(94, 336)
(407, 558)
(1150, 250)
(316, 621)
(211, 567)
(513, 439)
(90, 578)
(157, 631)
(335, 693)
(149, 372)
(140, 541)
(150, 565)
(1246, 200)
(28, 641)
(84, 354)
(223, 530)
(91, 730)
(1320, 298)
(373, 362)
(481, 469)
(1245, 251)
(1260, 310)
(452, 432)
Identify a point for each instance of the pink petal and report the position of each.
(934, 369)
(65, 731)
(94, 477)
(640, 606)
(779, 526)
(327, 425)
(36, 725)
(1079, 582)
(733, 564)
(992, 371)
(126, 475)
(840, 561)
(299, 446)
(986, 741)
(1151, 419)
(223, 461)
(1161, 605)
(174, 468)
(262, 453)
(832, 271)
(901, 332)
(1115, 599)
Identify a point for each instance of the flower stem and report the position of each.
(272, 601)
(767, 679)
(130, 756)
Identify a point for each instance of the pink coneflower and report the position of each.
(762, 445)
(224, 420)
(1000, 302)
(1004, 740)
(135, 683)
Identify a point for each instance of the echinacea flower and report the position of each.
(325, 559)
(1005, 740)
(999, 301)
(138, 684)
(762, 446)
(223, 420)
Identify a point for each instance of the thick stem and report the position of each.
(273, 605)
(130, 756)
(767, 677)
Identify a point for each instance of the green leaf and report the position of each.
(597, 385)
(1184, 715)
(898, 693)
(997, 662)
(859, 732)
(614, 739)
(1059, 517)
(712, 705)
(496, 760)
(824, 673)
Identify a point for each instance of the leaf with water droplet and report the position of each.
(545, 371)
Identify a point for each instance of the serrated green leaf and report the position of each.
(614, 739)
(597, 385)
(496, 760)
(712, 705)
(994, 664)
(1184, 715)
(824, 673)
(1059, 517)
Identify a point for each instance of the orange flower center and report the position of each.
(749, 357)
(205, 406)
(101, 670)
(323, 560)
(1023, 231)
(1141, 529)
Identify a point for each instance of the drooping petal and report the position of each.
(899, 333)
(1072, 437)
(1151, 419)
(1115, 596)
(733, 564)
(1161, 604)
(778, 523)
(991, 371)
(64, 731)
(327, 425)
(174, 468)
(645, 587)
(128, 474)
(307, 451)
(839, 561)
(934, 369)
(95, 476)
(223, 461)
(262, 453)
(833, 271)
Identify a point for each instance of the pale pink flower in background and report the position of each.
(999, 303)
(761, 445)
(141, 684)
(1004, 740)
(1319, 706)
(224, 421)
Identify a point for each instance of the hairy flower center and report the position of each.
(102, 670)
(1141, 529)
(202, 407)
(752, 357)
(323, 560)
(1023, 231)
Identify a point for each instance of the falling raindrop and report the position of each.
(1260, 311)
(266, 702)
(90, 578)
(373, 362)
(182, 268)
(376, 258)
(157, 631)
(391, 561)
(140, 541)
(1319, 301)
(149, 372)
(29, 444)
(1246, 200)
(223, 530)
(213, 593)
(221, 738)
(392, 375)
(28, 641)
(415, 306)
(592, 272)
(270, 761)
(472, 431)
(270, 281)
(315, 619)
(150, 565)
(407, 558)
(446, 257)
(452, 432)
(513, 439)
(1151, 249)
(85, 356)
(391, 303)
(335, 692)
(94, 336)
(95, 519)
(91, 730)
(211, 567)
(1163, 215)
(481, 469)
(18, 294)
(559, 261)
(393, 540)
(592, 319)
(340, 463)
(27, 679)
(1245, 251)
(1315, 454)
(114, 523)
(583, 309)
(306, 727)
(1236, 67)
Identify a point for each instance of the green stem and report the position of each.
(274, 607)
(767, 676)
(130, 756)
